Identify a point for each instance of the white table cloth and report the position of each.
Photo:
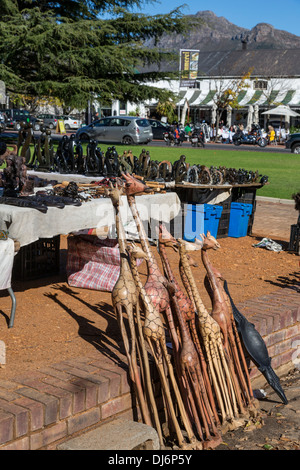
(28, 225)
(6, 262)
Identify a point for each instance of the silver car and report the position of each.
(126, 130)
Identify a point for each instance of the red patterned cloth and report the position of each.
(93, 263)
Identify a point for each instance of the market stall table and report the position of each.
(7, 253)
(28, 225)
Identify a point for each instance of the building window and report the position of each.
(260, 85)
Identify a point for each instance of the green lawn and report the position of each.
(283, 169)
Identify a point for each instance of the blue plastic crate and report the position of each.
(194, 221)
(212, 215)
(239, 219)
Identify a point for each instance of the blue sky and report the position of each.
(282, 14)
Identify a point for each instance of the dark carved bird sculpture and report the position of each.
(256, 348)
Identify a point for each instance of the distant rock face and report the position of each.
(216, 33)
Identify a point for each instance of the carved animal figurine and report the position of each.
(186, 307)
(213, 348)
(125, 303)
(221, 314)
(256, 348)
(157, 285)
(243, 374)
(154, 333)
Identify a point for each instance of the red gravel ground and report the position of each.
(54, 322)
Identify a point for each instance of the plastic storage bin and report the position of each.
(194, 221)
(212, 215)
(239, 219)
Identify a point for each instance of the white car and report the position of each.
(70, 122)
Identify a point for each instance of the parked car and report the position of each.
(14, 117)
(2, 123)
(47, 120)
(126, 130)
(70, 122)
(293, 143)
(159, 128)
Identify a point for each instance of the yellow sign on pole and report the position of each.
(60, 126)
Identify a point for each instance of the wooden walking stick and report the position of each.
(157, 285)
(154, 334)
(187, 309)
(125, 303)
(222, 313)
(213, 348)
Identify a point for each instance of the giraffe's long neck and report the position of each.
(216, 293)
(202, 312)
(166, 264)
(149, 308)
(152, 264)
(184, 332)
(121, 240)
(138, 281)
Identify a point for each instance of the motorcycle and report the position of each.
(197, 138)
(171, 140)
(253, 138)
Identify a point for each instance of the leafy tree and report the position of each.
(168, 109)
(227, 92)
(66, 50)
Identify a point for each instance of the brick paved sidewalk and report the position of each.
(42, 409)
(273, 218)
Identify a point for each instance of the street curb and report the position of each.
(275, 200)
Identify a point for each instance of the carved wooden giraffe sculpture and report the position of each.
(213, 348)
(125, 302)
(157, 285)
(186, 307)
(154, 333)
(238, 353)
(221, 314)
(194, 384)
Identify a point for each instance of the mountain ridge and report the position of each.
(216, 33)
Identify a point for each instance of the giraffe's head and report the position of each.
(165, 238)
(115, 193)
(209, 242)
(183, 246)
(186, 247)
(136, 251)
(133, 186)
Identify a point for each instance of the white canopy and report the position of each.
(281, 110)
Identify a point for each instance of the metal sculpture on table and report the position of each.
(112, 162)
(94, 159)
(13, 178)
(179, 169)
(25, 137)
(44, 160)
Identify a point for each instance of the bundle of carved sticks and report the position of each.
(204, 381)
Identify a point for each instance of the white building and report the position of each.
(274, 79)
